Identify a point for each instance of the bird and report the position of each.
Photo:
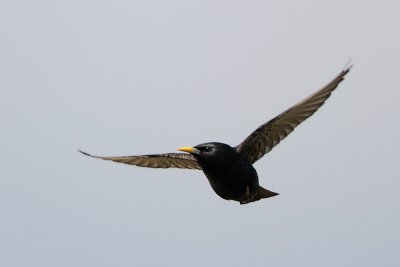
(229, 169)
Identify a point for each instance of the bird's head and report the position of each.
(216, 153)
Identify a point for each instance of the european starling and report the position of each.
(229, 169)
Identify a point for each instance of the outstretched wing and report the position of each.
(268, 135)
(169, 160)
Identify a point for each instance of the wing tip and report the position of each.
(84, 153)
(349, 65)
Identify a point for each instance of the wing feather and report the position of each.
(268, 135)
(168, 160)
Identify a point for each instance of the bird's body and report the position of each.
(229, 169)
(230, 175)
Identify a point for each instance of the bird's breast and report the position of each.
(230, 181)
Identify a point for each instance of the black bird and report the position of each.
(229, 169)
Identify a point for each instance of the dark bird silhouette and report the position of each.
(229, 169)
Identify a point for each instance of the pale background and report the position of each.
(136, 77)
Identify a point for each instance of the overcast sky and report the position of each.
(137, 77)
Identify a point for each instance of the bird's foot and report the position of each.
(247, 192)
(249, 196)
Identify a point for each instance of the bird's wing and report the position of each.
(169, 160)
(268, 135)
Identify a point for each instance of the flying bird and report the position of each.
(230, 169)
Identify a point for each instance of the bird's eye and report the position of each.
(205, 149)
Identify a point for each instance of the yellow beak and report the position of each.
(189, 149)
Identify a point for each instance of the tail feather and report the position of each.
(257, 194)
(264, 193)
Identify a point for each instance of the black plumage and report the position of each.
(229, 169)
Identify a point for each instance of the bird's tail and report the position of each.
(264, 193)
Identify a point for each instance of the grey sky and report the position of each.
(134, 77)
